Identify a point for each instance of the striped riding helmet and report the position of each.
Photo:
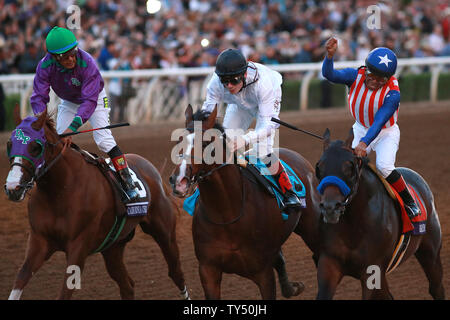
(60, 40)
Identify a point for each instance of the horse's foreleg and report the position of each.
(375, 290)
(116, 268)
(266, 284)
(211, 277)
(163, 231)
(329, 275)
(76, 256)
(37, 252)
(288, 289)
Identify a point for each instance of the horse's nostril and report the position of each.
(171, 179)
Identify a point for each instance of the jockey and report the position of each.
(251, 91)
(374, 100)
(74, 76)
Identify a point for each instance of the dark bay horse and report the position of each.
(72, 207)
(237, 227)
(359, 231)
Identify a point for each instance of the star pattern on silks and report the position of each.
(384, 60)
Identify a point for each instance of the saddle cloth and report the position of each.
(418, 224)
(298, 186)
(416, 227)
(139, 206)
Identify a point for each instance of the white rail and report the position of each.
(155, 88)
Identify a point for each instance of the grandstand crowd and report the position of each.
(122, 35)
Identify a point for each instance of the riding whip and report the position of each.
(290, 126)
(89, 130)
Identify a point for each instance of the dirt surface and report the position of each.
(424, 147)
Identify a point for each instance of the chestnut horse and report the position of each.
(72, 207)
(361, 226)
(237, 227)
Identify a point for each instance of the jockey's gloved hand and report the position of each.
(76, 123)
(237, 143)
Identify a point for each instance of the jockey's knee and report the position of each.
(105, 145)
(384, 170)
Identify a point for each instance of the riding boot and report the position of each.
(290, 198)
(396, 180)
(121, 166)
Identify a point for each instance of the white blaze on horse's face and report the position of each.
(14, 176)
(182, 181)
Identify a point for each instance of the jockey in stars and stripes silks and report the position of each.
(374, 101)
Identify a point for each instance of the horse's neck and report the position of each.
(223, 190)
(62, 171)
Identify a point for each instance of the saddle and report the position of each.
(254, 172)
(416, 227)
(139, 206)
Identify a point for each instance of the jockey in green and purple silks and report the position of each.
(75, 78)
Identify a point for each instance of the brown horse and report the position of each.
(72, 208)
(361, 226)
(238, 227)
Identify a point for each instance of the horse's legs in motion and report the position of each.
(288, 289)
(211, 277)
(429, 257)
(266, 283)
(162, 229)
(116, 268)
(373, 293)
(37, 252)
(328, 277)
(76, 256)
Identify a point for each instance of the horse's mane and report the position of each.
(340, 144)
(202, 115)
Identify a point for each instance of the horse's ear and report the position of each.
(349, 141)
(326, 139)
(16, 114)
(39, 123)
(212, 118)
(188, 113)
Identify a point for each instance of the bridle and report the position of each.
(42, 169)
(202, 175)
(332, 180)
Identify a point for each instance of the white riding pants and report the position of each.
(100, 118)
(385, 145)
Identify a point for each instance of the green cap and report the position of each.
(60, 40)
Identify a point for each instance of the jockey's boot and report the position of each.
(121, 166)
(396, 180)
(290, 198)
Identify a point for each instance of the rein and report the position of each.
(356, 185)
(42, 171)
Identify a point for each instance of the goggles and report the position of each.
(374, 77)
(66, 55)
(234, 80)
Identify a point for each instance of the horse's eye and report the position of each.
(35, 149)
(348, 168)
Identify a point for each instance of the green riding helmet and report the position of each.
(60, 40)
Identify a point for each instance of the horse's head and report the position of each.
(201, 147)
(338, 171)
(25, 151)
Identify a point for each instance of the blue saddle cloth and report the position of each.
(298, 187)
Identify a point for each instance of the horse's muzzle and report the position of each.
(331, 211)
(16, 195)
(180, 187)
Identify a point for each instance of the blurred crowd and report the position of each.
(122, 35)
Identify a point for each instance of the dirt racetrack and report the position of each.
(424, 147)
